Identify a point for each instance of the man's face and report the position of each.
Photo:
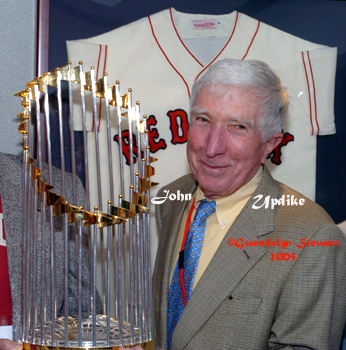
(224, 146)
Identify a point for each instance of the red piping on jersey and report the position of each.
(98, 63)
(307, 80)
(235, 24)
(313, 85)
(104, 70)
(170, 11)
(252, 40)
(97, 73)
(157, 42)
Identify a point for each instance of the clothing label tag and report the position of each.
(205, 24)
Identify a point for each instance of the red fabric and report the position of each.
(5, 292)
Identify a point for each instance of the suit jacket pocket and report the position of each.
(242, 306)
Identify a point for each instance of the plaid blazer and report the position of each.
(252, 298)
(11, 196)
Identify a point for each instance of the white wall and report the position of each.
(17, 65)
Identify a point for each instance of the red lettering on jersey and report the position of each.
(275, 156)
(153, 143)
(153, 135)
(179, 125)
(126, 146)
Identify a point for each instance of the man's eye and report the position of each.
(202, 119)
(238, 127)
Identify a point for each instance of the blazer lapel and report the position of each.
(169, 231)
(228, 266)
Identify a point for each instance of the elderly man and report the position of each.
(248, 263)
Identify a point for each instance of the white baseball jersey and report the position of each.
(162, 55)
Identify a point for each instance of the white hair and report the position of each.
(256, 77)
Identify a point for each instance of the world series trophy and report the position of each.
(118, 292)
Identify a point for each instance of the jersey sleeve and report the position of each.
(320, 68)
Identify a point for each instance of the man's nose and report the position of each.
(215, 142)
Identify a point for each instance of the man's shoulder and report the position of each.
(302, 207)
(284, 200)
(291, 212)
(301, 217)
(183, 187)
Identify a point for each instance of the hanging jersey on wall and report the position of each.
(162, 55)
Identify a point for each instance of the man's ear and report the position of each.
(271, 144)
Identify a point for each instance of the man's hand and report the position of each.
(7, 344)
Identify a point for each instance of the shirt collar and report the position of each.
(230, 206)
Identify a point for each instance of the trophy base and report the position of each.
(84, 337)
(150, 345)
